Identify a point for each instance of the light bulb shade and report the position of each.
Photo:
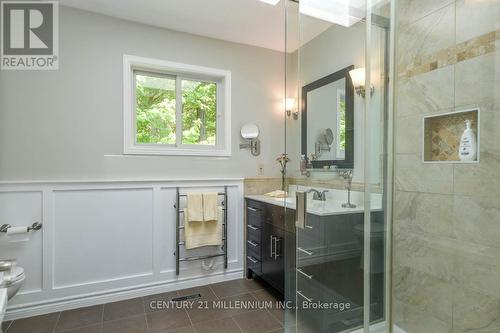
(271, 2)
(289, 104)
(358, 77)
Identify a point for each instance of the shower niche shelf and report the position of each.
(442, 133)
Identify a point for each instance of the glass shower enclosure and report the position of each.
(337, 129)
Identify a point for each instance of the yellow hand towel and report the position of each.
(198, 234)
(194, 209)
(210, 206)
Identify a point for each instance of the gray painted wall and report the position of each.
(67, 124)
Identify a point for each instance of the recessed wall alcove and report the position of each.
(442, 133)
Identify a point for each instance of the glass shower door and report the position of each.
(336, 138)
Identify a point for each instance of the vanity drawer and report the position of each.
(254, 263)
(253, 243)
(254, 251)
(253, 232)
(255, 213)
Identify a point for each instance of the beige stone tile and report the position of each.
(475, 312)
(261, 185)
(423, 292)
(411, 320)
(408, 134)
(412, 10)
(424, 213)
(476, 18)
(477, 268)
(413, 175)
(429, 92)
(426, 36)
(432, 255)
(489, 125)
(478, 179)
(477, 220)
(477, 79)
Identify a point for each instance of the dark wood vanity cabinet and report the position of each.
(267, 238)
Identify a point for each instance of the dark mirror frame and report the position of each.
(348, 162)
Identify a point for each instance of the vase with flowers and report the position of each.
(283, 159)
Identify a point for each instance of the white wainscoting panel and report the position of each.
(107, 241)
(22, 209)
(102, 235)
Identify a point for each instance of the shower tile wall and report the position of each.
(447, 216)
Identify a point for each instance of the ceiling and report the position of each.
(249, 22)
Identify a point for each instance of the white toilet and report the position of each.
(11, 279)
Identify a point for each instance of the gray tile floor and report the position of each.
(137, 315)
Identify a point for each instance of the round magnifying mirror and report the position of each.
(249, 131)
(329, 136)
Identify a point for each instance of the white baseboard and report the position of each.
(40, 308)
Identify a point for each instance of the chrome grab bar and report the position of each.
(253, 209)
(309, 253)
(252, 227)
(305, 274)
(252, 243)
(304, 297)
(301, 210)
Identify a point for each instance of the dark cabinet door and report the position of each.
(273, 252)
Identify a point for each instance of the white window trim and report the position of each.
(223, 79)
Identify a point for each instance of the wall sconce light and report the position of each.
(289, 107)
(358, 81)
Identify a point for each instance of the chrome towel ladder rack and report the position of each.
(178, 227)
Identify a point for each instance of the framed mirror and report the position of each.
(328, 120)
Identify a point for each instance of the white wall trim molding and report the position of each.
(91, 232)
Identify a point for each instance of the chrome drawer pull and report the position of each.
(305, 251)
(252, 243)
(304, 297)
(306, 275)
(252, 227)
(252, 259)
(253, 209)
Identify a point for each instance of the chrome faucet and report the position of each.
(317, 195)
(347, 175)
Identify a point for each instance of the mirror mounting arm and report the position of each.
(253, 145)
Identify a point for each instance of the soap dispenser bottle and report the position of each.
(468, 148)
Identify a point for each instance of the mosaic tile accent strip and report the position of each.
(467, 50)
(443, 133)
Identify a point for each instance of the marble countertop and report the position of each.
(320, 208)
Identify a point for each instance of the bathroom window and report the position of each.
(175, 109)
